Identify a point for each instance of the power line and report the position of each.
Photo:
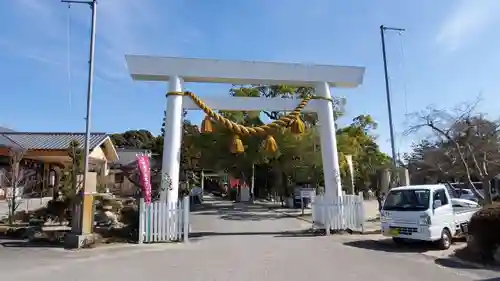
(68, 56)
(403, 72)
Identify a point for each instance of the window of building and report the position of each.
(119, 178)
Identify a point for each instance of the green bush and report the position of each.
(129, 215)
(21, 216)
(12, 232)
(116, 205)
(484, 228)
(56, 210)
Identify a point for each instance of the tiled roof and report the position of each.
(128, 156)
(5, 129)
(50, 141)
(6, 142)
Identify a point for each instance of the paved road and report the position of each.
(234, 243)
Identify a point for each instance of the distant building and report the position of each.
(120, 183)
(45, 155)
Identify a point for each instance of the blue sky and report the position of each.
(449, 54)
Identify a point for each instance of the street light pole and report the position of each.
(90, 84)
(387, 90)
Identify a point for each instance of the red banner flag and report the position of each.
(144, 177)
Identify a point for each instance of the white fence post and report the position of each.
(327, 218)
(185, 219)
(344, 212)
(163, 222)
(362, 212)
(141, 221)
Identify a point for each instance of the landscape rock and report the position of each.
(496, 255)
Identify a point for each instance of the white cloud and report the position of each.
(467, 19)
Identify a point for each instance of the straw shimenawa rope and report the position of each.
(238, 129)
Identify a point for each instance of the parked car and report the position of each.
(467, 194)
(426, 213)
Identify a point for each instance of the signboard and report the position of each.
(307, 193)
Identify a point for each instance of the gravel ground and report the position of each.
(238, 242)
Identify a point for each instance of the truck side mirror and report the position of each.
(437, 204)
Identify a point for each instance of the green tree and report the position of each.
(142, 139)
(286, 92)
(357, 140)
(72, 175)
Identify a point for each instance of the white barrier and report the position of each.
(341, 213)
(159, 222)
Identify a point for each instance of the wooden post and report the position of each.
(83, 215)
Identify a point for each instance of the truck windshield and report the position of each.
(407, 200)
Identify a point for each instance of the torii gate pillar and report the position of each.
(329, 153)
(172, 143)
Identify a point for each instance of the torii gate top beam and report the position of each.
(151, 68)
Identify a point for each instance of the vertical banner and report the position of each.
(144, 177)
(348, 159)
(233, 182)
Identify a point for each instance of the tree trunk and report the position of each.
(487, 191)
(13, 203)
(475, 191)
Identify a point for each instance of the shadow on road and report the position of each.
(250, 216)
(278, 234)
(470, 260)
(387, 245)
(490, 279)
(454, 264)
(28, 244)
(227, 210)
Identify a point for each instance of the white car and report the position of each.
(466, 194)
(425, 212)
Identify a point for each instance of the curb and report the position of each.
(369, 232)
(299, 217)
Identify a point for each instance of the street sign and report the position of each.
(307, 192)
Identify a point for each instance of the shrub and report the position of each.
(129, 216)
(59, 210)
(21, 216)
(56, 210)
(13, 232)
(484, 228)
(116, 205)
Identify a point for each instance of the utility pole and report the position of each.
(80, 228)
(387, 91)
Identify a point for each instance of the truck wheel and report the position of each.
(398, 241)
(445, 241)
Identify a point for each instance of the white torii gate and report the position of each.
(179, 70)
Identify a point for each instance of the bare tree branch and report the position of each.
(462, 137)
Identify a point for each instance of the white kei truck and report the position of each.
(426, 213)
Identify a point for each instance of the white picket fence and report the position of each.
(159, 222)
(340, 213)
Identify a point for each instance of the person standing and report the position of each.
(380, 199)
